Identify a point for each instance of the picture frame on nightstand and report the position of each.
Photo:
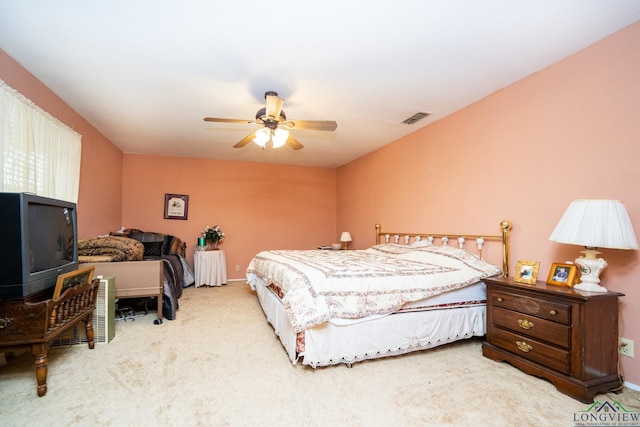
(527, 272)
(562, 274)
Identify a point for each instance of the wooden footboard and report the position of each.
(134, 279)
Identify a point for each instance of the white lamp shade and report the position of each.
(596, 224)
(279, 137)
(262, 136)
(345, 236)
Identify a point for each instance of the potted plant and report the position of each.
(213, 235)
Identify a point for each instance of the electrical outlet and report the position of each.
(237, 267)
(626, 347)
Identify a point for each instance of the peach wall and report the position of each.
(258, 206)
(99, 199)
(524, 153)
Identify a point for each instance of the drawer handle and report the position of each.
(525, 324)
(523, 346)
(5, 322)
(553, 312)
(500, 299)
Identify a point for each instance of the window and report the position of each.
(38, 153)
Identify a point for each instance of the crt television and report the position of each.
(38, 241)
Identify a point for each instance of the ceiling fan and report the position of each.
(275, 126)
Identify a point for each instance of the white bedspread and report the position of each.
(322, 285)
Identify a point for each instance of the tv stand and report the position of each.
(33, 322)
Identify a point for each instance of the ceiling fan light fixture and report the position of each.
(279, 137)
(275, 127)
(262, 137)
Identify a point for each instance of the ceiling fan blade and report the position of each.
(274, 106)
(328, 125)
(245, 141)
(293, 143)
(219, 120)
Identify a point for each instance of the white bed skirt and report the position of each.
(330, 344)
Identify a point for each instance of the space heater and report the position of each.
(103, 319)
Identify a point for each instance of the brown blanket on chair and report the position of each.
(114, 247)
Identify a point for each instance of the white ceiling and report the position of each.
(146, 72)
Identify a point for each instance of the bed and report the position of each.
(408, 292)
(144, 264)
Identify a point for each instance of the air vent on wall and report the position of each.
(417, 116)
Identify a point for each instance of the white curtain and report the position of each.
(39, 154)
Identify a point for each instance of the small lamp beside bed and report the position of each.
(345, 238)
(594, 224)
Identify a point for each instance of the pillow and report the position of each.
(421, 243)
(152, 249)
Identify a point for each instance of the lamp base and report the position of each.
(589, 287)
(590, 268)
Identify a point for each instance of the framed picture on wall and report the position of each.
(527, 272)
(176, 206)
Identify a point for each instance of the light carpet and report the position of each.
(220, 364)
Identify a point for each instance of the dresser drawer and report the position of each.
(548, 331)
(550, 310)
(22, 321)
(532, 349)
(535, 327)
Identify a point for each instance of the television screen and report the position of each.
(51, 236)
(39, 243)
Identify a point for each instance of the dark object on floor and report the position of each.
(130, 308)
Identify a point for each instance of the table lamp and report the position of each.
(594, 224)
(345, 238)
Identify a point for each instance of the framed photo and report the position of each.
(71, 279)
(562, 274)
(527, 272)
(176, 206)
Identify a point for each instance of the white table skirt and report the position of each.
(210, 268)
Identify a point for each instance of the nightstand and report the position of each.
(210, 268)
(568, 337)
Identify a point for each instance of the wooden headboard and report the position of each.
(405, 238)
